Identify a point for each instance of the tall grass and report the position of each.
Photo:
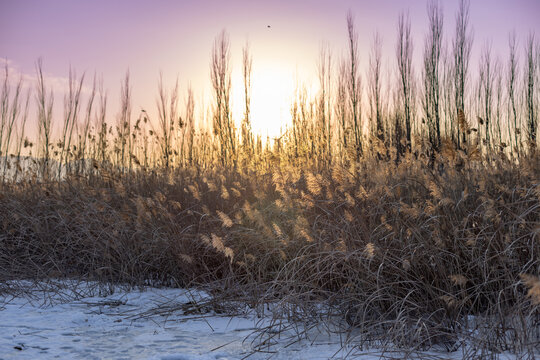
(416, 234)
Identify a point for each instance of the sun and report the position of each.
(271, 94)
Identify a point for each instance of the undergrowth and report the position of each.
(414, 254)
(411, 220)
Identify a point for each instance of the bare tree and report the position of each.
(190, 124)
(486, 92)
(498, 97)
(123, 147)
(448, 106)
(341, 104)
(324, 66)
(102, 142)
(220, 74)
(404, 51)
(462, 51)
(530, 89)
(10, 111)
(295, 117)
(71, 111)
(247, 63)
(354, 88)
(21, 139)
(85, 130)
(4, 105)
(167, 114)
(374, 88)
(512, 76)
(431, 74)
(45, 100)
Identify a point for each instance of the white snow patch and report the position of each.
(130, 325)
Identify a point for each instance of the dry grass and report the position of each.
(397, 240)
(405, 253)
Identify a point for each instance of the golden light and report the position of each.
(271, 95)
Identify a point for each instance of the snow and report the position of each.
(129, 325)
(157, 324)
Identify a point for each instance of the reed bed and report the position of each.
(422, 232)
(410, 255)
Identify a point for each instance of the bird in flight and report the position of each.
(268, 26)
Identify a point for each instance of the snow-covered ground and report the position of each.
(150, 324)
(153, 324)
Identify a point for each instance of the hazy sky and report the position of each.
(175, 37)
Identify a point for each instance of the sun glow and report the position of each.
(271, 95)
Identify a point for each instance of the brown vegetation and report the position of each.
(419, 234)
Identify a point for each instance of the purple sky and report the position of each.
(110, 36)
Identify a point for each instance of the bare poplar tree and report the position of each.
(530, 89)
(20, 136)
(190, 125)
(486, 92)
(123, 147)
(9, 113)
(512, 76)
(102, 142)
(354, 88)
(431, 74)
(4, 105)
(498, 97)
(71, 112)
(220, 74)
(375, 82)
(448, 106)
(45, 100)
(404, 51)
(247, 63)
(85, 129)
(462, 51)
(341, 103)
(167, 105)
(324, 66)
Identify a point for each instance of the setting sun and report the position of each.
(271, 94)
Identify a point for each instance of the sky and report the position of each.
(108, 37)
